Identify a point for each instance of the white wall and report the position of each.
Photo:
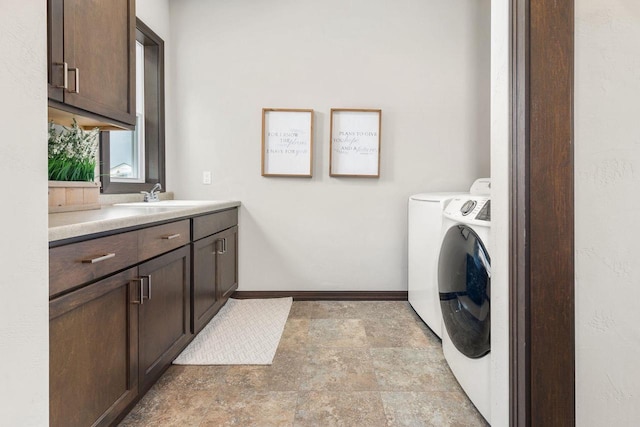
(424, 63)
(607, 173)
(155, 14)
(500, 207)
(24, 309)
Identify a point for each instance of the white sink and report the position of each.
(167, 203)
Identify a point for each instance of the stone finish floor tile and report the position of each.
(338, 369)
(181, 377)
(412, 369)
(238, 407)
(337, 333)
(282, 375)
(295, 334)
(430, 409)
(399, 333)
(170, 408)
(339, 363)
(303, 309)
(344, 409)
(353, 310)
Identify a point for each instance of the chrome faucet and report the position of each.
(152, 196)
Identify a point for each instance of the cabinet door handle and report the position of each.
(76, 70)
(171, 236)
(65, 75)
(148, 277)
(98, 259)
(225, 245)
(140, 294)
(219, 246)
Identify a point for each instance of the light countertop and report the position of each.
(112, 217)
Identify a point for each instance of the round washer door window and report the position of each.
(464, 283)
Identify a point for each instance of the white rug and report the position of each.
(244, 332)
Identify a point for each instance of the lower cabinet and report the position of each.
(124, 306)
(164, 312)
(215, 275)
(93, 356)
(112, 339)
(205, 298)
(227, 263)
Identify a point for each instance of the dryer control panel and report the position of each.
(470, 209)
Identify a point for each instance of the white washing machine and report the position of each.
(464, 284)
(425, 228)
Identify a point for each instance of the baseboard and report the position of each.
(326, 295)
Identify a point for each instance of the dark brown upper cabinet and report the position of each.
(91, 69)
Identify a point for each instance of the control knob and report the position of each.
(468, 207)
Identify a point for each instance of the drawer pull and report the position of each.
(141, 294)
(76, 70)
(222, 246)
(171, 236)
(65, 75)
(98, 259)
(148, 277)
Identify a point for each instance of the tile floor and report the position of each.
(339, 363)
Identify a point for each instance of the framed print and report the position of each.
(355, 143)
(287, 142)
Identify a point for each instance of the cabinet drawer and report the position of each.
(162, 238)
(78, 263)
(207, 225)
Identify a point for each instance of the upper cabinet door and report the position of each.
(55, 44)
(92, 57)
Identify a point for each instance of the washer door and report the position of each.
(464, 283)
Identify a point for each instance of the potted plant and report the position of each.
(72, 162)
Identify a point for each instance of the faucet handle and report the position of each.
(152, 196)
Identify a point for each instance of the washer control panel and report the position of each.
(470, 209)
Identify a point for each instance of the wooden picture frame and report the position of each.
(287, 142)
(355, 143)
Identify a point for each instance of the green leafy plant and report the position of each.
(72, 153)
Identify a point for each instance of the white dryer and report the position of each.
(425, 227)
(464, 284)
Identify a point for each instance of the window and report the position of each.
(133, 160)
(126, 148)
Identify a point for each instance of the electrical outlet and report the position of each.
(206, 177)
